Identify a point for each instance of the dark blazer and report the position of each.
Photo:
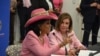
(88, 12)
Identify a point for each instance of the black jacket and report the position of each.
(88, 12)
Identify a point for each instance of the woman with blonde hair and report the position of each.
(62, 31)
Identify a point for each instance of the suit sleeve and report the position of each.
(84, 4)
(75, 41)
(36, 47)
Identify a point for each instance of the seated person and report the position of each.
(62, 31)
(36, 42)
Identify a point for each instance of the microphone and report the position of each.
(53, 34)
(57, 38)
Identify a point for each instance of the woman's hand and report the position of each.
(66, 41)
(69, 40)
(81, 48)
(93, 4)
(72, 52)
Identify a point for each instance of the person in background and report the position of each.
(36, 42)
(35, 4)
(91, 18)
(58, 6)
(13, 5)
(62, 31)
(22, 14)
(98, 6)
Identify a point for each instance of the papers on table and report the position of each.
(88, 52)
(84, 53)
(58, 55)
(67, 47)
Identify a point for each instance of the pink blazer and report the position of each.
(31, 46)
(56, 37)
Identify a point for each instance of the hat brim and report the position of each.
(40, 17)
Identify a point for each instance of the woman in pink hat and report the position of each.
(35, 4)
(36, 42)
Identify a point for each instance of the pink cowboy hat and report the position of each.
(40, 14)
